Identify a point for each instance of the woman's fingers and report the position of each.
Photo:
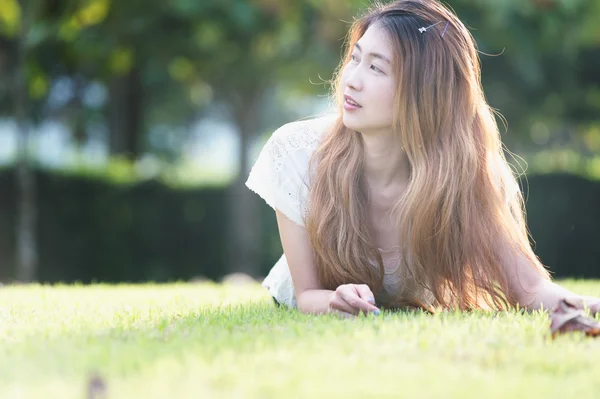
(582, 302)
(339, 304)
(341, 313)
(595, 307)
(350, 295)
(593, 304)
(365, 293)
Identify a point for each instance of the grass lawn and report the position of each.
(214, 341)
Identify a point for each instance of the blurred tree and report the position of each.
(243, 48)
(539, 61)
(27, 28)
(27, 258)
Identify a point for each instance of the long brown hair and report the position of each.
(450, 242)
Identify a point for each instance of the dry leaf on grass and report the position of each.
(567, 317)
(96, 387)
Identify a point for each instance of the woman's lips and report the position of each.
(350, 104)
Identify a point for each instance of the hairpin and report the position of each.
(446, 27)
(424, 29)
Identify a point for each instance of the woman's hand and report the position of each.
(349, 300)
(580, 302)
(589, 302)
(568, 316)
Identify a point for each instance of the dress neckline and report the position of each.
(390, 249)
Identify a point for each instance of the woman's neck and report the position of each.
(385, 165)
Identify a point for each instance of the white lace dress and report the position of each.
(280, 177)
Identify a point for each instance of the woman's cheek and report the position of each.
(385, 93)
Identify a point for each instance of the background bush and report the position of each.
(92, 229)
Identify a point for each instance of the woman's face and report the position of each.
(368, 79)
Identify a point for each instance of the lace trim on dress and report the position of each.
(392, 248)
(297, 135)
(280, 174)
(391, 267)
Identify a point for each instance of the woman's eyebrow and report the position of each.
(374, 55)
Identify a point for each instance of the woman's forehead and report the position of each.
(376, 40)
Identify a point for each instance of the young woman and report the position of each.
(403, 196)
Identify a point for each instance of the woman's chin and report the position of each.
(350, 122)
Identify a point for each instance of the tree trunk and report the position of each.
(125, 114)
(245, 228)
(79, 127)
(27, 257)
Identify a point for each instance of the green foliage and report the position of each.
(10, 17)
(212, 341)
(565, 161)
(193, 54)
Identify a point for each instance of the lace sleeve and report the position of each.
(280, 173)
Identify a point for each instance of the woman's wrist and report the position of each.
(546, 295)
(314, 301)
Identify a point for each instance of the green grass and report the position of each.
(213, 341)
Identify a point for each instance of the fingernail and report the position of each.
(376, 312)
(371, 299)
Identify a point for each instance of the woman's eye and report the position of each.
(354, 58)
(373, 67)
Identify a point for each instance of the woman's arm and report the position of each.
(535, 292)
(547, 294)
(347, 299)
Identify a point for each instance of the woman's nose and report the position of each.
(354, 80)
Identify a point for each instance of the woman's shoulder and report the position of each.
(280, 173)
(301, 134)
